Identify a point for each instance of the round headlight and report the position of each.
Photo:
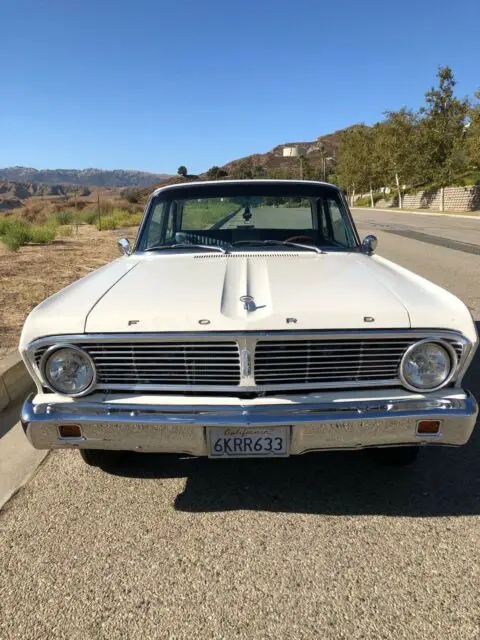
(68, 370)
(427, 365)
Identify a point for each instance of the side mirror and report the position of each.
(124, 246)
(369, 244)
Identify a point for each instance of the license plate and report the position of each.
(257, 442)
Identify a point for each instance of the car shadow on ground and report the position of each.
(443, 482)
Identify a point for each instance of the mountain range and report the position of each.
(85, 177)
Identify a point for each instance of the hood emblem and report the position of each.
(249, 303)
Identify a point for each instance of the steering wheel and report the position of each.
(300, 239)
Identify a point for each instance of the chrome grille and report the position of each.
(185, 363)
(279, 362)
(321, 361)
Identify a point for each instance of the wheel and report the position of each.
(102, 458)
(396, 456)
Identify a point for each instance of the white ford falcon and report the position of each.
(249, 320)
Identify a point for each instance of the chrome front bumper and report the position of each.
(317, 421)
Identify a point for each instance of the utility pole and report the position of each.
(99, 214)
(76, 213)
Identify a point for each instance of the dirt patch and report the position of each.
(36, 272)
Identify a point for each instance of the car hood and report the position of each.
(207, 292)
(195, 293)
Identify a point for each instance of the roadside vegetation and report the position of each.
(17, 232)
(39, 224)
(431, 148)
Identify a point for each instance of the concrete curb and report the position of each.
(18, 459)
(419, 213)
(15, 381)
(18, 462)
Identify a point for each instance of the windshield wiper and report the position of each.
(186, 245)
(285, 243)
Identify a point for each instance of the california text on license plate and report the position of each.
(254, 442)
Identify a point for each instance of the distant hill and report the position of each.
(85, 177)
(14, 194)
(325, 146)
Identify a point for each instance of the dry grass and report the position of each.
(35, 272)
(38, 209)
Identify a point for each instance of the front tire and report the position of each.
(396, 456)
(102, 458)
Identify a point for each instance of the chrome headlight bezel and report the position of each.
(43, 369)
(453, 365)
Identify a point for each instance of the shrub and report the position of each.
(14, 227)
(51, 222)
(89, 217)
(11, 242)
(14, 233)
(63, 217)
(107, 223)
(42, 235)
(118, 219)
(106, 207)
(133, 208)
(362, 202)
(132, 195)
(4, 225)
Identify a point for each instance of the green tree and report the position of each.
(442, 130)
(215, 173)
(358, 168)
(182, 171)
(398, 149)
(473, 136)
(242, 169)
(249, 168)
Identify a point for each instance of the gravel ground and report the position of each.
(322, 546)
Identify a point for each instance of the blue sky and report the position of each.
(151, 84)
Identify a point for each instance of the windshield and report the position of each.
(238, 217)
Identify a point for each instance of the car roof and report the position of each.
(200, 183)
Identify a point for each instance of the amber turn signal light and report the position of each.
(70, 431)
(428, 426)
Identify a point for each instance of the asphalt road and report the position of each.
(461, 233)
(323, 546)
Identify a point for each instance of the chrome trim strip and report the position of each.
(204, 413)
(206, 336)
